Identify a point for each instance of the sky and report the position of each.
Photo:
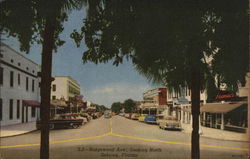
(101, 84)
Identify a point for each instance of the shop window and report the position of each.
(11, 109)
(33, 111)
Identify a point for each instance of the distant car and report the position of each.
(170, 122)
(150, 119)
(135, 116)
(63, 121)
(107, 115)
(142, 117)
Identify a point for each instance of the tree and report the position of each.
(174, 43)
(116, 107)
(38, 21)
(129, 105)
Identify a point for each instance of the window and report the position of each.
(27, 68)
(18, 109)
(53, 97)
(11, 78)
(33, 111)
(33, 85)
(18, 79)
(19, 64)
(53, 87)
(1, 75)
(27, 83)
(11, 109)
(11, 60)
(1, 109)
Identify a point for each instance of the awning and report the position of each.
(32, 103)
(222, 108)
(58, 103)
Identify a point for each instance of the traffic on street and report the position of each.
(119, 137)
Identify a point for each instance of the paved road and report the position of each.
(119, 138)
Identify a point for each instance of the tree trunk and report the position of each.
(195, 99)
(48, 43)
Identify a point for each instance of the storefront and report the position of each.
(225, 116)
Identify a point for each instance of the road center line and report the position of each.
(179, 143)
(110, 133)
(58, 141)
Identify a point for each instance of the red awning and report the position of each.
(32, 103)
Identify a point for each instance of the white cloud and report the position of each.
(116, 92)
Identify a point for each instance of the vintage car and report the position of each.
(107, 115)
(142, 117)
(63, 121)
(170, 122)
(128, 115)
(150, 119)
(135, 116)
(86, 115)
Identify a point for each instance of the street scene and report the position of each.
(101, 79)
(119, 137)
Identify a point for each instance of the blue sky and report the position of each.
(102, 83)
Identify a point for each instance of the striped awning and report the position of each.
(31, 103)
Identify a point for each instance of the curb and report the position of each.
(218, 138)
(225, 139)
(1, 137)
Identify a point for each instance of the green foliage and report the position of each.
(116, 107)
(129, 105)
(166, 40)
(25, 19)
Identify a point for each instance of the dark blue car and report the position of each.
(150, 119)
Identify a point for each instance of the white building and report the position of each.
(64, 87)
(19, 88)
(181, 103)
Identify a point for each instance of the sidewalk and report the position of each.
(17, 129)
(217, 133)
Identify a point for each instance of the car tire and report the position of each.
(75, 126)
(51, 126)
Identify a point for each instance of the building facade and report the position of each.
(19, 88)
(64, 87)
(154, 101)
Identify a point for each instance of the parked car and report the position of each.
(63, 121)
(142, 117)
(86, 115)
(170, 122)
(107, 115)
(127, 115)
(135, 116)
(159, 117)
(150, 119)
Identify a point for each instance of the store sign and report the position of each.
(223, 95)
